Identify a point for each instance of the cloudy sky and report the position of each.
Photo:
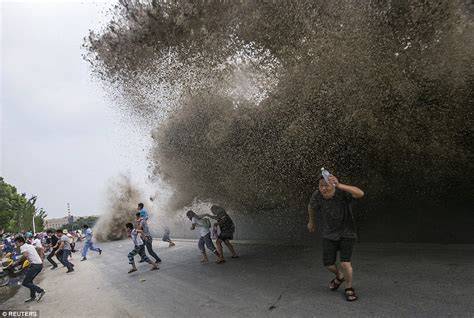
(62, 139)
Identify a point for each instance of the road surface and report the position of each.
(392, 280)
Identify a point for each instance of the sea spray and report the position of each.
(121, 204)
(247, 100)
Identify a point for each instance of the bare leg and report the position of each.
(336, 271)
(220, 249)
(333, 285)
(230, 247)
(347, 269)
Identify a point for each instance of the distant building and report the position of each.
(58, 223)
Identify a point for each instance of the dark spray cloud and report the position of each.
(121, 204)
(250, 99)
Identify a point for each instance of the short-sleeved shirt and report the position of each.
(144, 214)
(67, 242)
(37, 243)
(201, 224)
(137, 240)
(52, 240)
(334, 215)
(226, 224)
(88, 235)
(33, 256)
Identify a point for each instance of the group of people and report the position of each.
(35, 250)
(142, 238)
(329, 207)
(223, 231)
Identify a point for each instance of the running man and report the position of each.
(142, 225)
(52, 240)
(139, 248)
(88, 243)
(205, 236)
(332, 207)
(65, 249)
(36, 265)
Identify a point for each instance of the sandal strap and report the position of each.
(352, 296)
(340, 280)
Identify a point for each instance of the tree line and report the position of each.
(17, 210)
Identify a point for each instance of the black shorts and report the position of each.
(225, 237)
(330, 248)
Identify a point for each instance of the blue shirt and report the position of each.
(7, 246)
(144, 214)
(89, 235)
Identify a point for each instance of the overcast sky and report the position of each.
(61, 137)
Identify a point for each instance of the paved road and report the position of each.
(266, 281)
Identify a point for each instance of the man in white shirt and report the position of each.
(138, 248)
(39, 247)
(205, 239)
(36, 265)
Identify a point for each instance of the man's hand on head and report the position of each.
(334, 181)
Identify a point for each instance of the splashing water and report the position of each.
(122, 201)
(248, 100)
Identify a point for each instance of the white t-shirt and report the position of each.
(33, 256)
(37, 243)
(201, 225)
(137, 240)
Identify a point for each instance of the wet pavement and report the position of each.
(392, 280)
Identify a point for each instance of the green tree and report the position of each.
(17, 211)
(8, 196)
(39, 219)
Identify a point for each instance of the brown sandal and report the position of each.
(350, 294)
(132, 270)
(333, 285)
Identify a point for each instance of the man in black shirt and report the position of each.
(51, 240)
(331, 207)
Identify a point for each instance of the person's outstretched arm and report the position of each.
(209, 216)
